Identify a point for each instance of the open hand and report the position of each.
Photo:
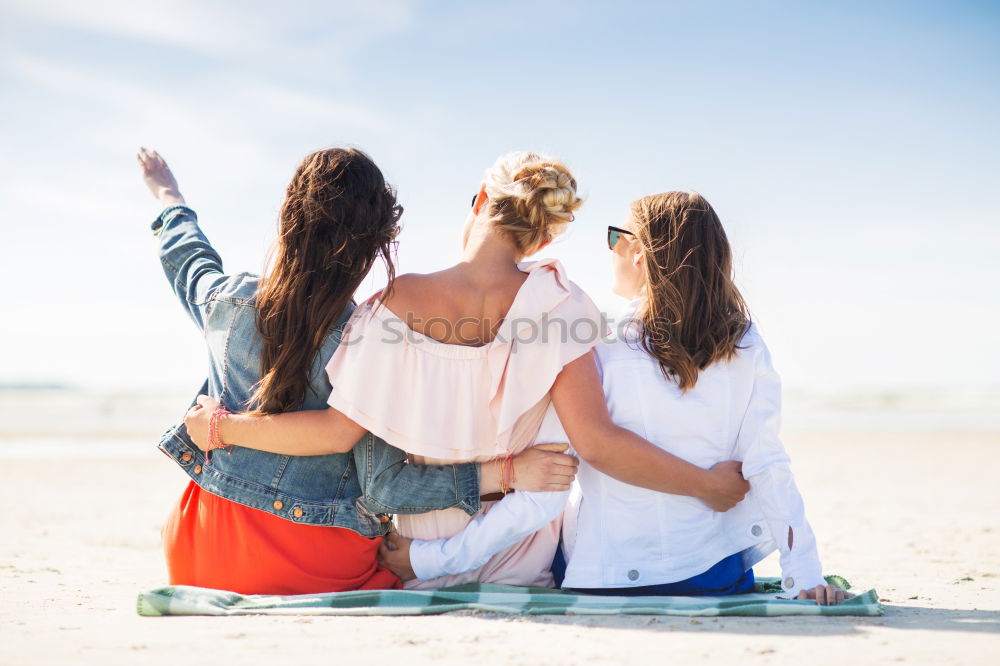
(726, 487)
(825, 595)
(545, 467)
(198, 418)
(159, 178)
(394, 555)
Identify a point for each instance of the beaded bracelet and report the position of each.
(214, 436)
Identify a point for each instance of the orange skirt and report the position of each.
(214, 542)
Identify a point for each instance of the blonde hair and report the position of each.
(532, 198)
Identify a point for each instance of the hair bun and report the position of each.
(532, 197)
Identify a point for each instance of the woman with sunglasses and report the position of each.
(691, 372)
(477, 362)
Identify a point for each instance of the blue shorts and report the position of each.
(725, 577)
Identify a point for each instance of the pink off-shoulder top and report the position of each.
(445, 403)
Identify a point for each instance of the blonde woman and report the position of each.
(464, 364)
(689, 371)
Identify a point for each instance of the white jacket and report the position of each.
(617, 535)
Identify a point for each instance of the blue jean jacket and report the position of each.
(356, 490)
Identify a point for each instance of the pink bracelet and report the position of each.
(214, 436)
(506, 473)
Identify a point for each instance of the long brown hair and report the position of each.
(338, 217)
(693, 315)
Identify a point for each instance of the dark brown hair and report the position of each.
(338, 217)
(694, 315)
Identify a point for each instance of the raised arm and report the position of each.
(193, 267)
(618, 452)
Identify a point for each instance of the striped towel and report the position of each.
(186, 600)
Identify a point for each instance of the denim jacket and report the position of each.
(356, 490)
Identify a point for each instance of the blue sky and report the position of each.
(850, 148)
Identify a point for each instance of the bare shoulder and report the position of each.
(405, 290)
(408, 283)
(416, 292)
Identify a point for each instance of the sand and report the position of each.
(913, 514)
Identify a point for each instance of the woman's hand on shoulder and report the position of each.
(159, 178)
(198, 418)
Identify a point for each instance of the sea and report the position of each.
(39, 422)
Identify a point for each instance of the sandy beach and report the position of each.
(911, 513)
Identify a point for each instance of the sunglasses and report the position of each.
(614, 234)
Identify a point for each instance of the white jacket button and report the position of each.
(633, 575)
(756, 530)
(789, 583)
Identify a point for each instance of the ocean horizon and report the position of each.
(44, 421)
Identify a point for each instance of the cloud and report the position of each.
(252, 122)
(253, 33)
(301, 105)
(199, 26)
(262, 73)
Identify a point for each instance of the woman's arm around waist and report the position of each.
(618, 452)
(390, 481)
(509, 521)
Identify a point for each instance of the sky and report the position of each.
(851, 149)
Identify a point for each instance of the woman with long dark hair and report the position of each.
(256, 522)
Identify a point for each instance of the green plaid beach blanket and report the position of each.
(185, 600)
